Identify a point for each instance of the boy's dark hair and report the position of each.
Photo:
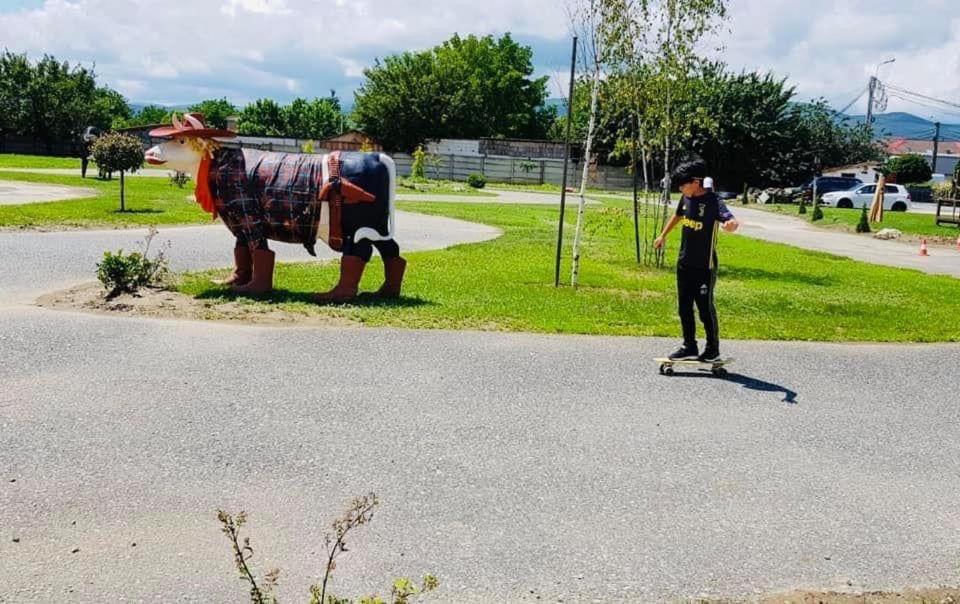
(688, 171)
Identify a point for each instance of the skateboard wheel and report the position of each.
(668, 371)
(719, 372)
(662, 369)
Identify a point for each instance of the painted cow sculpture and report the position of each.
(344, 199)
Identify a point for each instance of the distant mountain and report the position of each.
(907, 125)
(138, 106)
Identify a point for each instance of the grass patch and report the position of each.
(550, 188)
(437, 187)
(910, 223)
(766, 291)
(148, 201)
(14, 160)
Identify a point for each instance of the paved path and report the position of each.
(13, 193)
(793, 231)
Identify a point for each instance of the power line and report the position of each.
(850, 104)
(924, 104)
(922, 96)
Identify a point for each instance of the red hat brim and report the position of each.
(199, 133)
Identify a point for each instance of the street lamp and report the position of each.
(877, 72)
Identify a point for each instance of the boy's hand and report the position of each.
(731, 225)
(658, 243)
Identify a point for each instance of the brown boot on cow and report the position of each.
(262, 280)
(242, 267)
(351, 269)
(393, 269)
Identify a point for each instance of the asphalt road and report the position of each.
(515, 467)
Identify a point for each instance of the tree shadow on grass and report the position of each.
(789, 396)
(283, 296)
(759, 274)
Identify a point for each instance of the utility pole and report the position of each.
(936, 145)
(871, 87)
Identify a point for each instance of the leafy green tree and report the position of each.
(110, 110)
(317, 119)
(215, 111)
(910, 168)
(115, 152)
(15, 75)
(263, 117)
(466, 87)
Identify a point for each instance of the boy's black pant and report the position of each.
(695, 286)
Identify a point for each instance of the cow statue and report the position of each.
(345, 199)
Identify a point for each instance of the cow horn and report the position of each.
(194, 122)
(176, 122)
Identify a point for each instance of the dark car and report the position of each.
(829, 184)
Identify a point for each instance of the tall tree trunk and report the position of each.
(122, 206)
(594, 93)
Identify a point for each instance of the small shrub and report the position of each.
(115, 152)
(358, 514)
(179, 179)
(864, 225)
(307, 147)
(803, 205)
(817, 212)
(119, 272)
(418, 168)
(477, 181)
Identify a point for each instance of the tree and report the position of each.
(115, 152)
(215, 111)
(464, 88)
(910, 168)
(317, 119)
(110, 110)
(15, 75)
(263, 117)
(148, 116)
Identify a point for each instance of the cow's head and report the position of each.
(189, 142)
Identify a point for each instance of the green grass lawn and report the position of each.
(766, 291)
(910, 223)
(409, 186)
(13, 160)
(549, 188)
(148, 201)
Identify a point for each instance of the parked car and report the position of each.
(829, 184)
(895, 197)
(727, 195)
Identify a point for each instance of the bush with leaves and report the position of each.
(910, 168)
(115, 152)
(477, 181)
(817, 212)
(864, 225)
(180, 179)
(418, 168)
(803, 206)
(119, 272)
(358, 514)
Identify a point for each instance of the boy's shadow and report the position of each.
(789, 396)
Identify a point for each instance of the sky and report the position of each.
(180, 51)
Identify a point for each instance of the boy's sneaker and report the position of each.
(710, 355)
(686, 353)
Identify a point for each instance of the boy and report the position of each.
(700, 212)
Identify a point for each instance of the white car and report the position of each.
(895, 197)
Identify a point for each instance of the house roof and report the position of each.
(903, 146)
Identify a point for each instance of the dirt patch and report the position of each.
(168, 304)
(940, 595)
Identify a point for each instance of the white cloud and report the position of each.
(242, 49)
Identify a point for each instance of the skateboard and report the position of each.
(714, 367)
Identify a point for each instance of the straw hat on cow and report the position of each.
(191, 125)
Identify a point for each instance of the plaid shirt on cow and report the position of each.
(262, 195)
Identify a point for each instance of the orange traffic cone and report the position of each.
(923, 247)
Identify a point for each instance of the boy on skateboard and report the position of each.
(701, 213)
